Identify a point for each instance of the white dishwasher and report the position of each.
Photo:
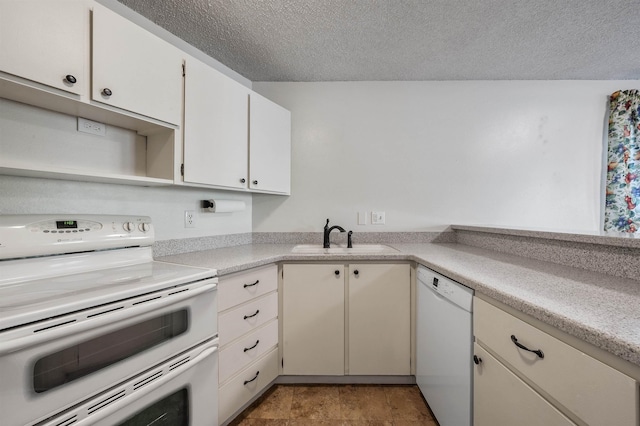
(444, 341)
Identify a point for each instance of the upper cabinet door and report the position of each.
(215, 128)
(135, 70)
(270, 146)
(45, 41)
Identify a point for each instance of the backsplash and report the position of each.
(605, 254)
(186, 245)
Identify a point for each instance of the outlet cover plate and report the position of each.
(189, 219)
(91, 127)
(378, 218)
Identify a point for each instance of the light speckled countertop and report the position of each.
(600, 309)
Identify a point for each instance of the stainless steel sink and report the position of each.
(342, 249)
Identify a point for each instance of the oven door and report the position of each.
(179, 392)
(49, 366)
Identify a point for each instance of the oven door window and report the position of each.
(92, 355)
(170, 411)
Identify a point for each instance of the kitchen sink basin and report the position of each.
(342, 249)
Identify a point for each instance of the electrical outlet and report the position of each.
(189, 219)
(91, 127)
(377, 218)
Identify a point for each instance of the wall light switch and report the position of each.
(377, 218)
(362, 218)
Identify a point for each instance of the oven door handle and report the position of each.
(206, 353)
(80, 323)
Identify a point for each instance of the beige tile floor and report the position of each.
(345, 405)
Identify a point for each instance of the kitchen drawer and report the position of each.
(247, 384)
(242, 287)
(245, 318)
(593, 391)
(501, 398)
(236, 356)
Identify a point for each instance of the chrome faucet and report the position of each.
(327, 233)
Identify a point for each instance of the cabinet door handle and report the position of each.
(254, 377)
(477, 360)
(356, 272)
(243, 180)
(70, 79)
(255, 182)
(251, 316)
(337, 272)
(251, 285)
(252, 347)
(107, 92)
(521, 346)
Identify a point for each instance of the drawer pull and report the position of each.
(252, 347)
(254, 377)
(251, 316)
(521, 346)
(477, 360)
(251, 285)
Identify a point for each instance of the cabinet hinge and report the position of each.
(184, 70)
(182, 169)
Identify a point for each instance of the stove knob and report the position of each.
(144, 227)
(129, 226)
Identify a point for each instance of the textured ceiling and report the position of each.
(345, 40)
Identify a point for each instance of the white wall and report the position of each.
(525, 154)
(165, 205)
(39, 133)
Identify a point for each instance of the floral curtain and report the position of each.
(622, 208)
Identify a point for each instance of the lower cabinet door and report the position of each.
(379, 319)
(247, 384)
(501, 398)
(313, 319)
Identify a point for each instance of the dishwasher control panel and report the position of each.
(446, 287)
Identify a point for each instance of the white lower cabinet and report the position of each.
(313, 319)
(583, 388)
(346, 319)
(247, 384)
(379, 319)
(501, 398)
(248, 332)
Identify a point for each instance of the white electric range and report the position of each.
(93, 330)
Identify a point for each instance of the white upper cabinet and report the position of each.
(46, 42)
(133, 69)
(216, 144)
(270, 146)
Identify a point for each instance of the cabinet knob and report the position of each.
(255, 182)
(107, 92)
(477, 360)
(337, 272)
(243, 180)
(70, 79)
(356, 272)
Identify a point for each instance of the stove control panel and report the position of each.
(38, 235)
